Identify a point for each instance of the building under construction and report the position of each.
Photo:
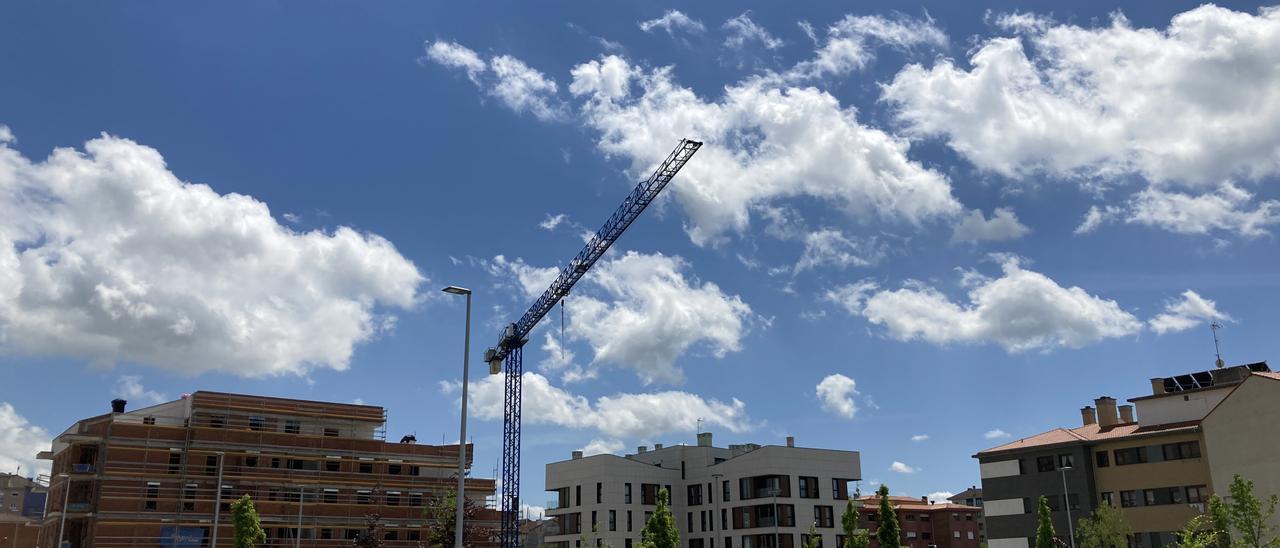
(314, 470)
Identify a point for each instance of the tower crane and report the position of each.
(506, 356)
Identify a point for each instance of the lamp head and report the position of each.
(457, 290)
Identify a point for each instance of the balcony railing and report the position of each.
(78, 506)
(82, 468)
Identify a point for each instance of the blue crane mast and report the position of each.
(506, 357)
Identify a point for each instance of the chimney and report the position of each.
(924, 499)
(704, 439)
(657, 446)
(577, 455)
(1088, 415)
(117, 405)
(791, 441)
(1126, 414)
(1106, 411)
(642, 449)
(1157, 386)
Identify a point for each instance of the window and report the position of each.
(332, 465)
(292, 426)
(1073, 502)
(392, 535)
(1102, 459)
(256, 423)
(330, 496)
(148, 420)
(393, 499)
(613, 520)
(175, 462)
(648, 494)
(924, 517)
(690, 520)
(808, 487)
(969, 517)
(1132, 455)
(366, 467)
(599, 491)
(217, 421)
(251, 461)
(695, 495)
(595, 521)
(1128, 499)
(225, 497)
(626, 494)
(724, 490)
(824, 516)
(395, 469)
(1106, 498)
(1184, 450)
(1066, 461)
(331, 432)
(1149, 497)
(1044, 464)
(955, 534)
(577, 495)
(362, 497)
(415, 499)
(415, 535)
(1175, 495)
(326, 534)
(211, 465)
(1197, 494)
(275, 462)
(189, 498)
(911, 517)
(839, 489)
(970, 535)
(153, 491)
(724, 519)
(628, 519)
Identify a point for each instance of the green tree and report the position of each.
(1250, 517)
(441, 514)
(1044, 531)
(853, 536)
(889, 532)
(373, 533)
(1105, 528)
(660, 531)
(813, 539)
(248, 528)
(1199, 533)
(1221, 521)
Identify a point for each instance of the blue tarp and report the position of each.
(187, 537)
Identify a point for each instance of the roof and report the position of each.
(912, 503)
(1268, 375)
(1093, 433)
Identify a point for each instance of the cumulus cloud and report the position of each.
(1096, 216)
(1190, 311)
(1193, 103)
(901, 468)
(20, 441)
(627, 415)
(552, 221)
(940, 496)
(831, 247)
(1021, 310)
(129, 387)
(671, 21)
(505, 78)
(836, 393)
(599, 446)
(850, 43)
(1226, 209)
(1003, 225)
(920, 437)
(742, 30)
(995, 434)
(762, 143)
(107, 255)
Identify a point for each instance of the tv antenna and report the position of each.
(1215, 326)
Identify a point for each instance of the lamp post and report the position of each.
(716, 478)
(66, 494)
(217, 501)
(1066, 503)
(462, 430)
(774, 492)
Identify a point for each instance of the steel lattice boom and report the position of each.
(514, 336)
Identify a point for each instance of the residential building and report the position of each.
(22, 497)
(313, 469)
(973, 497)
(1157, 459)
(533, 531)
(742, 496)
(924, 524)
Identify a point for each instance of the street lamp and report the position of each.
(66, 494)
(462, 430)
(1066, 503)
(217, 501)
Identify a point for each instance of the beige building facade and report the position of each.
(1242, 436)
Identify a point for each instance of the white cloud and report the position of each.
(20, 441)
(1192, 103)
(631, 416)
(129, 387)
(672, 21)
(762, 143)
(552, 221)
(836, 393)
(940, 496)
(505, 78)
(1096, 216)
(560, 359)
(1189, 312)
(1003, 225)
(995, 434)
(851, 41)
(830, 247)
(920, 437)
(530, 511)
(1225, 210)
(1022, 310)
(599, 446)
(107, 255)
(742, 30)
(901, 468)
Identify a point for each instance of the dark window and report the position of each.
(326, 534)
(1128, 499)
(724, 490)
(275, 462)
(251, 461)
(333, 466)
(628, 519)
(366, 467)
(1102, 459)
(331, 432)
(690, 517)
(695, 495)
(330, 496)
(362, 497)
(1197, 493)
(211, 465)
(924, 517)
(577, 495)
(1149, 497)
(189, 498)
(1184, 450)
(613, 520)
(394, 469)
(256, 423)
(1044, 464)
(292, 427)
(175, 462)
(1055, 502)
(1106, 498)
(808, 487)
(724, 519)
(393, 499)
(626, 494)
(824, 516)
(911, 517)
(148, 420)
(1132, 455)
(414, 470)
(1176, 495)
(153, 491)
(217, 421)
(702, 517)
(394, 535)
(599, 491)
(1066, 461)
(415, 499)
(415, 535)
(648, 494)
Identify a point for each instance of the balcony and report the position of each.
(82, 468)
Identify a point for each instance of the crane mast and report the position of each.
(507, 356)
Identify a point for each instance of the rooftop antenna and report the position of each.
(699, 425)
(1215, 326)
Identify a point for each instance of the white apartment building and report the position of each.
(720, 497)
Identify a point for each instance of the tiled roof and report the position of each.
(1092, 432)
(1268, 374)
(911, 503)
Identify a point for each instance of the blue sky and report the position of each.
(941, 221)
